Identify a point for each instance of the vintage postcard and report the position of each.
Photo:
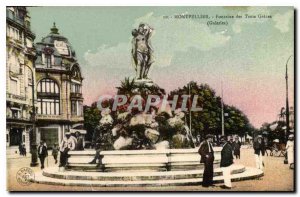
(150, 98)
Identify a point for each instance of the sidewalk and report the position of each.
(277, 177)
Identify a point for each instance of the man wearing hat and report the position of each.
(290, 150)
(259, 151)
(207, 157)
(226, 162)
(42, 153)
(236, 146)
(79, 141)
(66, 145)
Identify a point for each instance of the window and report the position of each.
(75, 88)
(29, 76)
(14, 65)
(48, 97)
(14, 33)
(76, 108)
(48, 61)
(48, 86)
(48, 106)
(15, 113)
(14, 86)
(48, 57)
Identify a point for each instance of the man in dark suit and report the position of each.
(207, 157)
(42, 153)
(259, 151)
(226, 162)
(80, 141)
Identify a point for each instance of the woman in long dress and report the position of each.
(290, 150)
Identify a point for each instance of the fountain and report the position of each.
(149, 147)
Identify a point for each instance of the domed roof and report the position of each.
(59, 43)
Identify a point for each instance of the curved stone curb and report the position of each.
(113, 176)
(249, 173)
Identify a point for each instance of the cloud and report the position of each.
(282, 21)
(109, 56)
(239, 23)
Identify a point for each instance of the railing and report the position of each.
(14, 96)
(48, 116)
(47, 94)
(18, 118)
(76, 95)
(11, 16)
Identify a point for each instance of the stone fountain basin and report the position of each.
(140, 160)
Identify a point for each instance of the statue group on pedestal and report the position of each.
(142, 52)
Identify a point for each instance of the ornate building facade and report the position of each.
(59, 86)
(20, 55)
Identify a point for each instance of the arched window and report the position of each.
(76, 80)
(48, 97)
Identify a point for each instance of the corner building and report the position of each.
(20, 72)
(58, 88)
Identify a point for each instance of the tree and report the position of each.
(208, 120)
(91, 119)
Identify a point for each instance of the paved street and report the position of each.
(278, 177)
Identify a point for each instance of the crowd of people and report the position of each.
(69, 142)
(231, 148)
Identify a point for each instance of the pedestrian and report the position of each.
(42, 153)
(55, 150)
(237, 148)
(226, 162)
(259, 151)
(20, 149)
(207, 157)
(66, 145)
(98, 156)
(290, 150)
(79, 141)
(24, 150)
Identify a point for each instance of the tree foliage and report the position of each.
(91, 119)
(208, 120)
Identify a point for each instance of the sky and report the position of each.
(247, 55)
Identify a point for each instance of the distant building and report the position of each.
(20, 55)
(59, 86)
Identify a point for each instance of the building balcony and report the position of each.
(14, 97)
(30, 51)
(76, 118)
(49, 117)
(15, 43)
(48, 95)
(58, 118)
(11, 118)
(76, 95)
(14, 18)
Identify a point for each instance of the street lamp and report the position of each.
(287, 100)
(33, 150)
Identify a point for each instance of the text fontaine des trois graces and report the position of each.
(216, 19)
